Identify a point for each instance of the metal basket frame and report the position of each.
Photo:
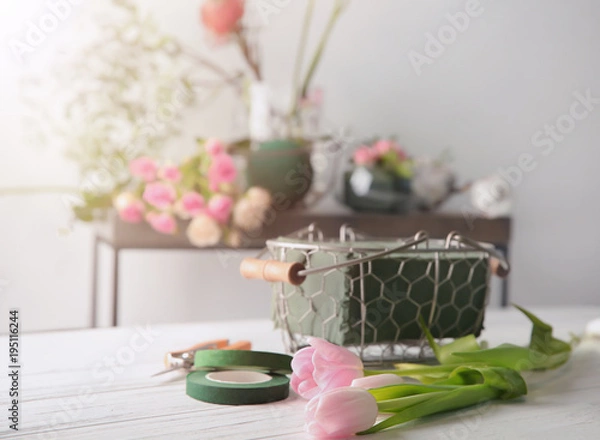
(310, 240)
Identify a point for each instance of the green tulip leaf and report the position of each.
(467, 375)
(542, 339)
(444, 353)
(472, 385)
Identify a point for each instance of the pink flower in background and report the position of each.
(400, 152)
(144, 168)
(170, 173)
(340, 413)
(204, 231)
(259, 197)
(162, 222)
(221, 170)
(363, 155)
(159, 195)
(248, 216)
(130, 208)
(383, 146)
(214, 146)
(314, 98)
(325, 365)
(221, 16)
(191, 204)
(219, 208)
(133, 213)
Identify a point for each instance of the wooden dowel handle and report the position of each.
(497, 268)
(273, 271)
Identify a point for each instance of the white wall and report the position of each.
(513, 70)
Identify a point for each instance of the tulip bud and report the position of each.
(340, 413)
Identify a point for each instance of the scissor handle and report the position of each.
(217, 343)
(239, 345)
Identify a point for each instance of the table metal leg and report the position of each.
(94, 305)
(115, 314)
(504, 297)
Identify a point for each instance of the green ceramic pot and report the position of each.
(283, 167)
(371, 189)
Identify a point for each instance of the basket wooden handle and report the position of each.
(498, 268)
(273, 271)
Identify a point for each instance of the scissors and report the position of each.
(184, 359)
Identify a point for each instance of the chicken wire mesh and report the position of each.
(373, 306)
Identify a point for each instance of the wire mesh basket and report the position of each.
(369, 293)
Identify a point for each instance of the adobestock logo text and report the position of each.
(437, 42)
(545, 140)
(36, 31)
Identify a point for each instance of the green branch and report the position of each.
(337, 10)
(300, 58)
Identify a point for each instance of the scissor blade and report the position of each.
(168, 370)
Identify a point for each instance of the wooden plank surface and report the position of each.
(95, 384)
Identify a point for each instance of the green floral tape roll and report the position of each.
(243, 360)
(237, 387)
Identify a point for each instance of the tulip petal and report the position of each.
(302, 381)
(330, 378)
(377, 381)
(334, 366)
(334, 353)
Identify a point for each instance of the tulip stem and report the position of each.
(436, 403)
(417, 371)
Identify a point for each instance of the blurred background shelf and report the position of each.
(121, 236)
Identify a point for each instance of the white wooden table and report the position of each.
(95, 384)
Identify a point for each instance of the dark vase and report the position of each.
(371, 189)
(283, 168)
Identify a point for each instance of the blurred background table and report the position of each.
(121, 236)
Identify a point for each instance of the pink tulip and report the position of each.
(219, 208)
(170, 173)
(192, 204)
(130, 208)
(162, 222)
(159, 195)
(324, 365)
(214, 146)
(340, 413)
(221, 170)
(221, 17)
(144, 168)
(377, 381)
(364, 155)
(302, 381)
